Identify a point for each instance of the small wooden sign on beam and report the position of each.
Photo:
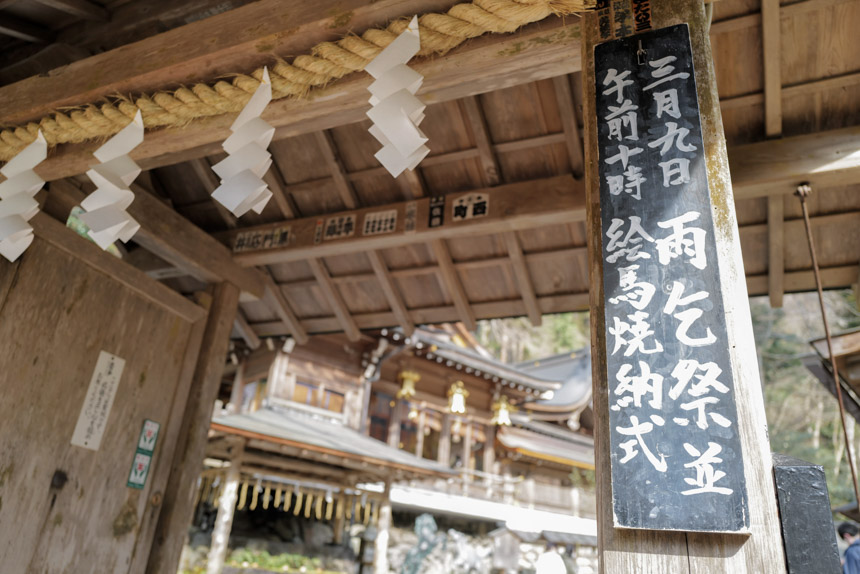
(676, 456)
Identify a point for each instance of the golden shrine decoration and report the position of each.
(457, 396)
(407, 384)
(502, 410)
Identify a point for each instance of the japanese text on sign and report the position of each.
(98, 402)
(675, 452)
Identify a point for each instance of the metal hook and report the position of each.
(640, 54)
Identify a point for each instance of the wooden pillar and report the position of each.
(444, 453)
(489, 448)
(178, 504)
(226, 509)
(383, 526)
(279, 382)
(394, 423)
(339, 525)
(467, 457)
(238, 391)
(624, 550)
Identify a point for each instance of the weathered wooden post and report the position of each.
(226, 510)
(683, 463)
(383, 527)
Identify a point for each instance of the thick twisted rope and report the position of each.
(328, 61)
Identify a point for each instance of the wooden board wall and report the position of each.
(56, 314)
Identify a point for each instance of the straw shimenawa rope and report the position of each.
(328, 61)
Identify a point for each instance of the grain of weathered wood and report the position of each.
(475, 117)
(80, 8)
(569, 122)
(246, 332)
(90, 254)
(201, 168)
(23, 30)
(57, 317)
(191, 442)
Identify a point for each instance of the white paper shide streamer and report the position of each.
(105, 208)
(396, 112)
(242, 187)
(17, 203)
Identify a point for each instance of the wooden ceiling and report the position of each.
(505, 117)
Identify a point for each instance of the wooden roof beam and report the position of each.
(452, 284)
(168, 235)
(515, 206)
(392, 294)
(335, 300)
(572, 138)
(524, 280)
(474, 115)
(542, 50)
(331, 157)
(824, 159)
(23, 30)
(83, 9)
(246, 332)
(276, 301)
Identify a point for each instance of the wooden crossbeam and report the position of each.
(452, 284)
(335, 300)
(522, 205)
(824, 159)
(392, 294)
(240, 324)
(572, 139)
(170, 236)
(524, 281)
(90, 254)
(80, 8)
(276, 301)
(542, 50)
(23, 30)
(153, 265)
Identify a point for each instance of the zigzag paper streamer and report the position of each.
(17, 203)
(396, 112)
(105, 208)
(242, 187)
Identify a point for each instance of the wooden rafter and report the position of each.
(524, 281)
(771, 54)
(474, 115)
(81, 8)
(452, 284)
(331, 157)
(566, 111)
(280, 192)
(392, 294)
(335, 299)
(246, 332)
(276, 301)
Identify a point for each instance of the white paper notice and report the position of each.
(98, 402)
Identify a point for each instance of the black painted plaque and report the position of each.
(675, 452)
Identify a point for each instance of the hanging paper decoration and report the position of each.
(17, 203)
(242, 187)
(105, 208)
(396, 112)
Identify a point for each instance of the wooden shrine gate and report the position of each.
(66, 302)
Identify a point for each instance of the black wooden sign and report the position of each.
(675, 452)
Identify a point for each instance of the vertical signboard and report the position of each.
(675, 451)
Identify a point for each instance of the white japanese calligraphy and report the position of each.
(667, 102)
(677, 168)
(663, 72)
(687, 317)
(637, 293)
(674, 136)
(638, 329)
(632, 241)
(637, 430)
(706, 475)
(646, 383)
(689, 241)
